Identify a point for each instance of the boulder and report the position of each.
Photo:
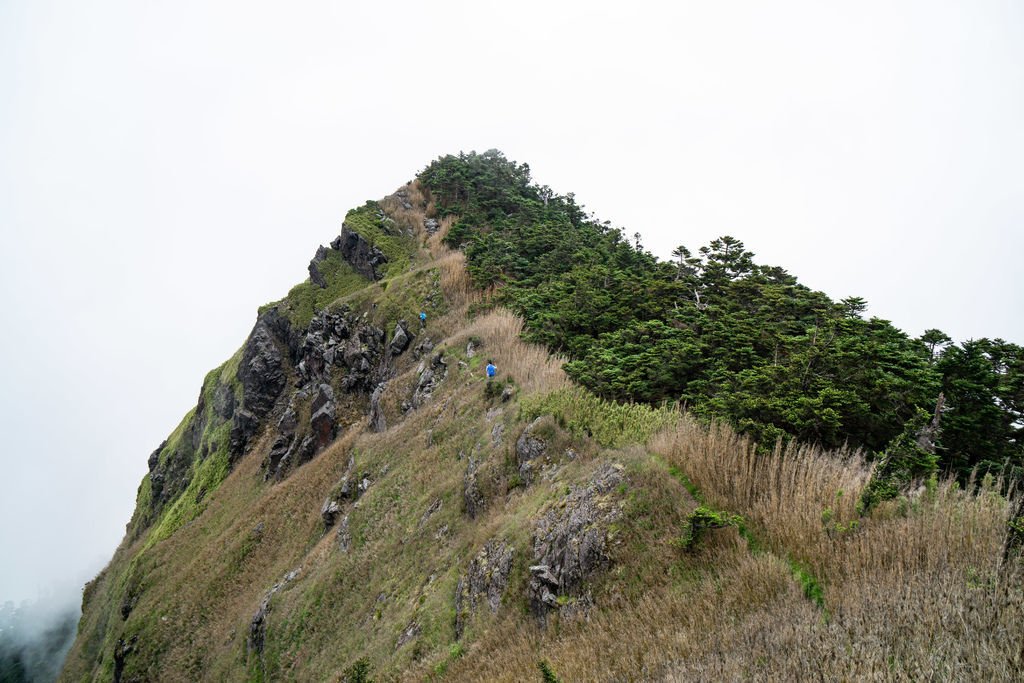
(401, 338)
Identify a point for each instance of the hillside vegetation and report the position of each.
(698, 470)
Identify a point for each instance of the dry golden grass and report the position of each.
(532, 368)
(455, 282)
(407, 219)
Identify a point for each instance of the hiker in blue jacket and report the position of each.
(491, 370)
(423, 319)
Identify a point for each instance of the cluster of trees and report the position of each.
(720, 333)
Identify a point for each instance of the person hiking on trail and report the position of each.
(423, 319)
(491, 370)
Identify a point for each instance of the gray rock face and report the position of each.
(484, 582)
(570, 542)
(261, 371)
(242, 430)
(224, 401)
(154, 457)
(430, 511)
(318, 350)
(314, 273)
(283, 443)
(497, 434)
(365, 259)
(423, 348)
(262, 375)
(529, 449)
(363, 359)
(431, 225)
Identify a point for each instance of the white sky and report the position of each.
(167, 167)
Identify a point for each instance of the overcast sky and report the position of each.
(167, 167)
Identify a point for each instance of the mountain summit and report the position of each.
(696, 469)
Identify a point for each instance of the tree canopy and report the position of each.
(720, 333)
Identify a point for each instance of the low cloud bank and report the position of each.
(35, 636)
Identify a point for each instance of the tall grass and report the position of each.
(530, 366)
(789, 494)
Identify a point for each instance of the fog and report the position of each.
(36, 635)
(166, 168)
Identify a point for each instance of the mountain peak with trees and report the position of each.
(690, 468)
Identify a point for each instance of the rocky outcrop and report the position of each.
(344, 535)
(258, 623)
(472, 497)
(224, 402)
(484, 582)
(262, 371)
(122, 649)
(570, 543)
(401, 338)
(363, 360)
(320, 346)
(365, 259)
(329, 513)
(431, 225)
(530, 449)
(377, 421)
(408, 633)
(349, 489)
(430, 377)
(315, 275)
(262, 375)
(322, 421)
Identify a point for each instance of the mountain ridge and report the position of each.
(350, 497)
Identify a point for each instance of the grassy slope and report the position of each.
(803, 590)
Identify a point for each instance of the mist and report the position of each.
(35, 636)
